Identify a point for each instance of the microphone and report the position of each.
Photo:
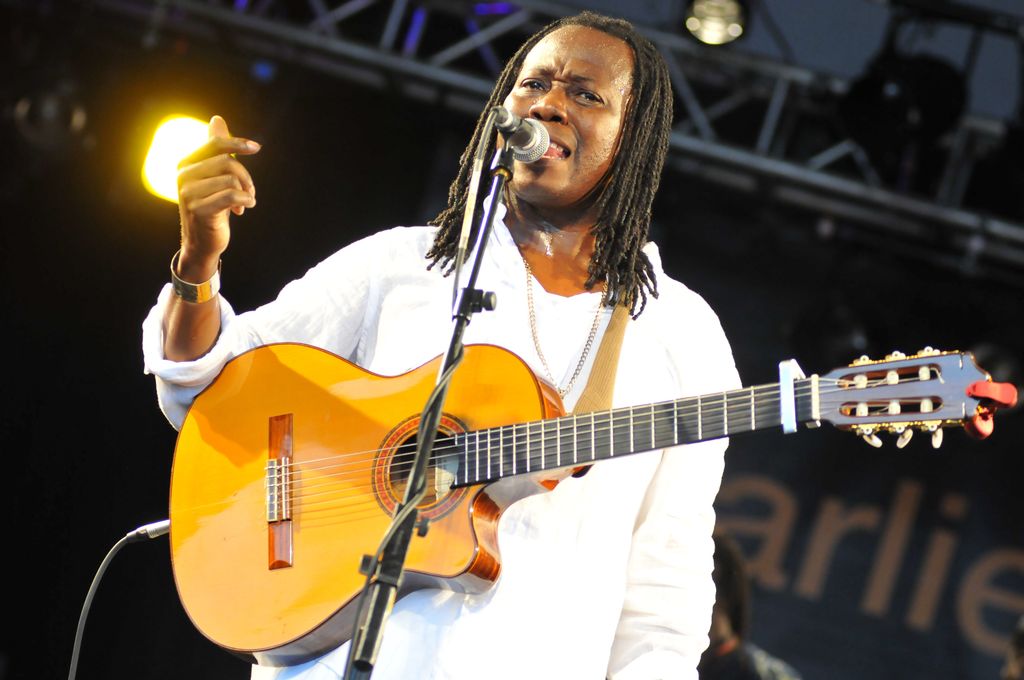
(527, 137)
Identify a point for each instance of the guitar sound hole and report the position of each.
(440, 475)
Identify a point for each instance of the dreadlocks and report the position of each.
(624, 196)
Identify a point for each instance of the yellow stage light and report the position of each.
(175, 138)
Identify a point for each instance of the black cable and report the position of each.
(143, 533)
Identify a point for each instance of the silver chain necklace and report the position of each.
(562, 391)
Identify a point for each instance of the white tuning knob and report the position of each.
(904, 438)
(873, 440)
(937, 438)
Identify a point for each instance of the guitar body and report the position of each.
(284, 587)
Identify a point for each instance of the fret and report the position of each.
(465, 459)
(558, 443)
(739, 411)
(543, 446)
(632, 448)
(653, 440)
(543, 443)
(478, 459)
(623, 443)
(527, 447)
(700, 421)
(725, 413)
(575, 445)
(675, 422)
(515, 436)
(501, 451)
(665, 424)
(768, 414)
(593, 437)
(611, 435)
(752, 417)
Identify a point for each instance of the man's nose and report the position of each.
(551, 107)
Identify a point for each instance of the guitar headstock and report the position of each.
(926, 391)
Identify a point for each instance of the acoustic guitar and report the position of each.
(289, 467)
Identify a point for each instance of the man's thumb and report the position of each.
(218, 127)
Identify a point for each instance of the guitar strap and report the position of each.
(597, 393)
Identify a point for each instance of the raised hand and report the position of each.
(212, 183)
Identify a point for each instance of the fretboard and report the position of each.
(491, 454)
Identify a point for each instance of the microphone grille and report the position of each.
(540, 142)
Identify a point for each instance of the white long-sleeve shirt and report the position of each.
(607, 575)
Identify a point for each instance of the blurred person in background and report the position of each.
(730, 655)
(1013, 666)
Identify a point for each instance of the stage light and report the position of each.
(175, 138)
(899, 109)
(51, 117)
(716, 22)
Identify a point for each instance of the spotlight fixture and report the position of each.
(716, 22)
(51, 117)
(900, 108)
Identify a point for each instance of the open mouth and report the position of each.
(556, 150)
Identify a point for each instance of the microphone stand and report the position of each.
(384, 570)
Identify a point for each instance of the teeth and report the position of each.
(558, 150)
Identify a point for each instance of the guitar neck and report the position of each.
(488, 455)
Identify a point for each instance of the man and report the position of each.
(609, 574)
(731, 656)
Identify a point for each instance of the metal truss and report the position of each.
(744, 122)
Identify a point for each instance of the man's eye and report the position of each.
(590, 97)
(533, 84)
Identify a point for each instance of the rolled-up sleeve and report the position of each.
(326, 308)
(178, 382)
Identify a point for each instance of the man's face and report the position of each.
(576, 81)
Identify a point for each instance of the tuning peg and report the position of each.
(904, 438)
(896, 354)
(873, 440)
(937, 438)
(928, 352)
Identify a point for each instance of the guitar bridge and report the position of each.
(279, 493)
(279, 481)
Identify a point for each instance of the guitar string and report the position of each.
(347, 505)
(710, 406)
(709, 419)
(533, 438)
(362, 504)
(326, 485)
(403, 461)
(707, 408)
(542, 438)
(690, 409)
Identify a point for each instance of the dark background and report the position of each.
(85, 250)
